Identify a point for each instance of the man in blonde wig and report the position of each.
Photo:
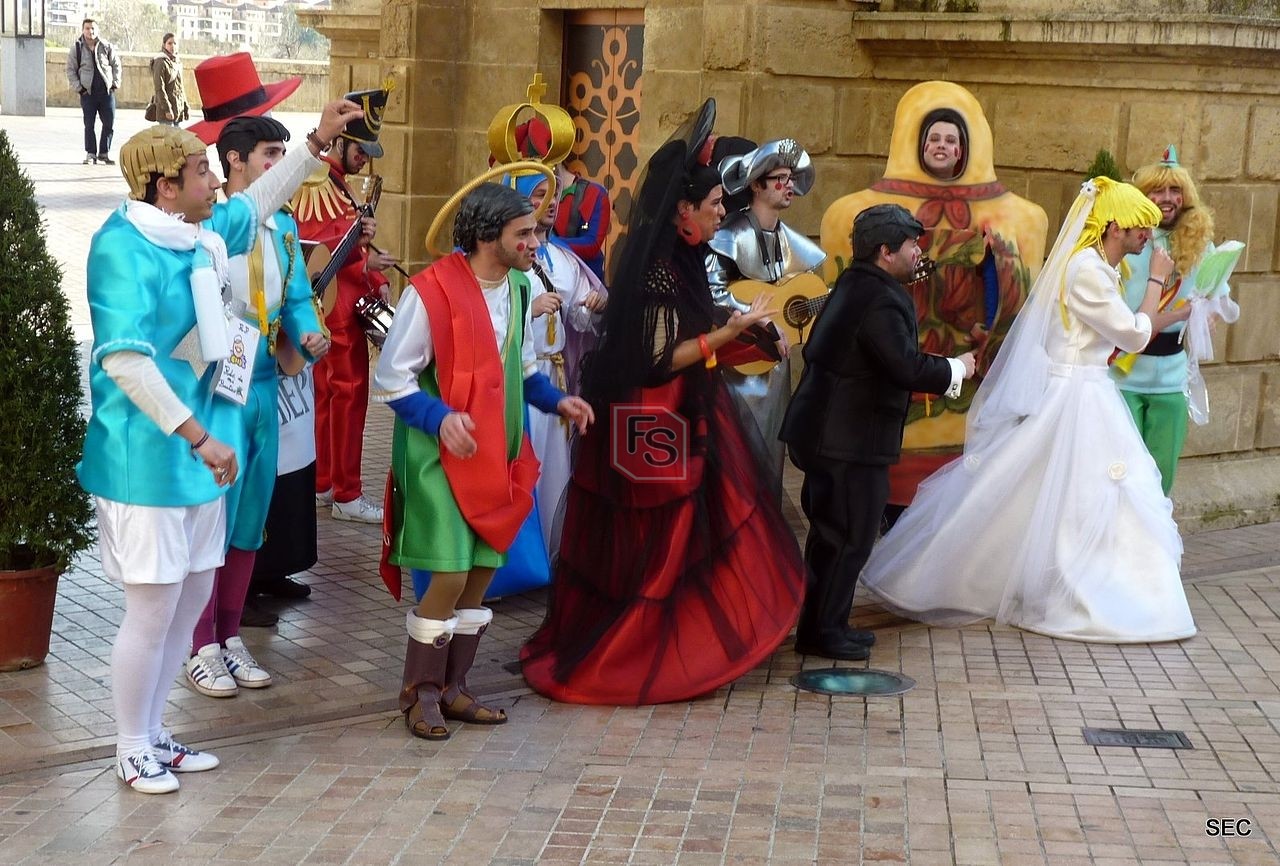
(1154, 381)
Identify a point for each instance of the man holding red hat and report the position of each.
(325, 210)
(271, 291)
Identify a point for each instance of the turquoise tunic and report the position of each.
(140, 301)
(430, 532)
(254, 428)
(1155, 374)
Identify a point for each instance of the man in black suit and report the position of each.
(844, 425)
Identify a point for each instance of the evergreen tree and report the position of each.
(45, 516)
(1104, 165)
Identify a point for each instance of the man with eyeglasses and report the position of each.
(753, 243)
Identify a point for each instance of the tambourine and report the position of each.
(375, 316)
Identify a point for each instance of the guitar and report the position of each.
(799, 300)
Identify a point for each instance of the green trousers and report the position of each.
(1162, 421)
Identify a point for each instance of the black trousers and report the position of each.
(98, 103)
(844, 503)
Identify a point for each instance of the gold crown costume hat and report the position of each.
(547, 137)
(155, 150)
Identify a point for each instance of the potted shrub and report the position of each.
(45, 516)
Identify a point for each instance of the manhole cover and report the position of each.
(852, 681)
(1136, 739)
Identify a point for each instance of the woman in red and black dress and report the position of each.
(677, 572)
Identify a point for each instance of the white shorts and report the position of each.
(160, 544)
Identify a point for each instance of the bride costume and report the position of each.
(1053, 520)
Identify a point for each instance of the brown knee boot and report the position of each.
(425, 662)
(457, 701)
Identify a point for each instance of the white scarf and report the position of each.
(172, 232)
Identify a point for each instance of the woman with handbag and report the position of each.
(169, 104)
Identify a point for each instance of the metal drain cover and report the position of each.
(1134, 738)
(852, 681)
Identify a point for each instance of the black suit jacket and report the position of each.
(862, 362)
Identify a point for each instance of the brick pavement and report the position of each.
(982, 763)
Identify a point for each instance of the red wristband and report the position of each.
(708, 355)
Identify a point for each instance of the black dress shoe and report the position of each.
(843, 650)
(280, 587)
(256, 617)
(860, 636)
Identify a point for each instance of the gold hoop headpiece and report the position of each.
(442, 218)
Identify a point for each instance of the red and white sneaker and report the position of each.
(177, 758)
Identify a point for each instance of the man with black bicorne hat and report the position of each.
(325, 208)
(844, 425)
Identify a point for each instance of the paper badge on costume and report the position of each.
(235, 373)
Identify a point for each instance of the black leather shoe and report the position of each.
(280, 587)
(843, 650)
(860, 636)
(256, 617)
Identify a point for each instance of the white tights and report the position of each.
(153, 642)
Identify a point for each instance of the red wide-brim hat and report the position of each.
(230, 87)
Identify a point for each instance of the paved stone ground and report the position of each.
(982, 763)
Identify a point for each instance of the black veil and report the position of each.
(623, 358)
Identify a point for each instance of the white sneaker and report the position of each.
(177, 758)
(243, 667)
(207, 673)
(144, 773)
(360, 510)
(324, 500)
(90, 159)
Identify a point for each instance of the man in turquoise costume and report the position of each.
(270, 290)
(154, 282)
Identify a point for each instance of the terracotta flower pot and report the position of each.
(26, 616)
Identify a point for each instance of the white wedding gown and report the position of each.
(1056, 522)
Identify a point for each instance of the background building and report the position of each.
(1130, 76)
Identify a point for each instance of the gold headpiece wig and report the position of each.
(159, 150)
(1119, 203)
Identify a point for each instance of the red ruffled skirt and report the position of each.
(666, 588)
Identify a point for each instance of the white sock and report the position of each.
(472, 619)
(425, 630)
(196, 590)
(137, 657)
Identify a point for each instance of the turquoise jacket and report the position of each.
(1151, 374)
(140, 301)
(253, 429)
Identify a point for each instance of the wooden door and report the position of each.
(603, 65)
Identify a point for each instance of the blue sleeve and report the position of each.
(991, 295)
(421, 411)
(299, 315)
(236, 220)
(124, 284)
(541, 394)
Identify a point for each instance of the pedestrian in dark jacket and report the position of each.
(93, 71)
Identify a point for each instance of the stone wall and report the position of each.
(1054, 87)
(136, 88)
